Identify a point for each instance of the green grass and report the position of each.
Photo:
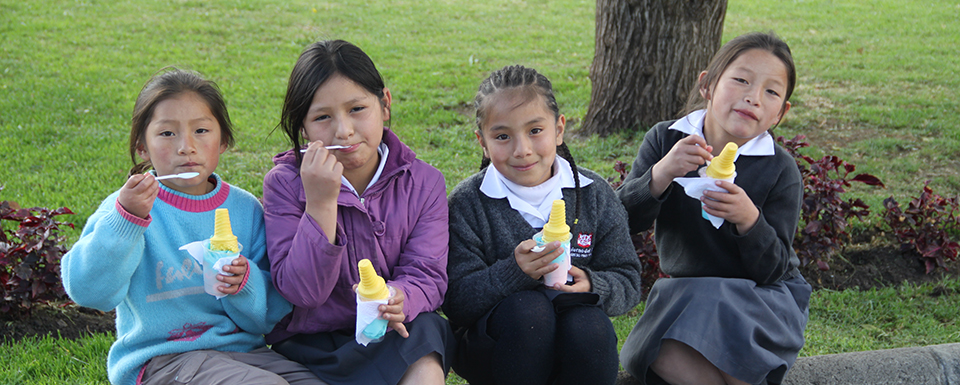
(878, 86)
(840, 321)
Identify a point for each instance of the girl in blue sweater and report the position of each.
(128, 259)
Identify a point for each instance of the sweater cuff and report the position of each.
(143, 222)
(513, 277)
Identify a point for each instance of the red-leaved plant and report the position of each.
(30, 255)
(924, 226)
(643, 242)
(824, 215)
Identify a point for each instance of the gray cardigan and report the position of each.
(484, 233)
(689, 246)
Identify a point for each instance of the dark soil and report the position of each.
(63, 320)
(874, 260)
(869, 261)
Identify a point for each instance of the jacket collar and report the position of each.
(692, 124)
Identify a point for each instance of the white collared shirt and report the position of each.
(692, 124)
(383, 151)
(533, 203)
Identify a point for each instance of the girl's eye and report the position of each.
(501, 137)
(536, 130)
(358, 108)
(166, 133)
(202, 131)
(322, 117)
(772, 92)
(740, 80)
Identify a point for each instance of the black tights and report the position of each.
(525, 341)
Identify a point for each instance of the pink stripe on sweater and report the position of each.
(196, 205)
(133, 218)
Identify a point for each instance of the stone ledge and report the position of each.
(935, 364)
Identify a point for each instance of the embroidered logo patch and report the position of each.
(584, 240)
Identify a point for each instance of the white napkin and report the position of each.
(367, 312)
(197, 249)
(694, 187)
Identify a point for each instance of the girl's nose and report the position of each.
(344, 129)
(187, 146)
(752, 96)
(523, 148)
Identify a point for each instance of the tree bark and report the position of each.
(647, 57)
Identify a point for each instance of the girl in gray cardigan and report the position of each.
(514, 329)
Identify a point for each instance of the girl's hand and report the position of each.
(733, 206)
(393, 313)
(581, 282)
(239, 269)
(687, 155)
(321, 172)
(138, 193)
(536, 264)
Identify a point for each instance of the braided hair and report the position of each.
(517, 76)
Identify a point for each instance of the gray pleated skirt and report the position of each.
(754, 333)
(338, 359)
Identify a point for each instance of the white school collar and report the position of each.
(692, 124)
(383, 151)
(497, 186)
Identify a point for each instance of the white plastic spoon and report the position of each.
(329, 148)
(182, 175)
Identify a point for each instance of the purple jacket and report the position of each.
(399, 223)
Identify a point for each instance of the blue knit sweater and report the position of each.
(132, 264)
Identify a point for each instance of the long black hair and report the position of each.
(319, 62)
(517, 76)
(169, 83)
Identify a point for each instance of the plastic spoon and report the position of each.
(182, 175)
(329, 148)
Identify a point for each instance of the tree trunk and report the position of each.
(647, 58)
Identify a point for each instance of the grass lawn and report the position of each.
(878, 86)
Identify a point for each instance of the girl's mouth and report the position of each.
(746, 114)
(525, 167)
(350, 148)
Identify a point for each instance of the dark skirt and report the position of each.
(337, 358)
(753, 333)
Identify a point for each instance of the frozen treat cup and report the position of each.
(560, 274)
(211, 267)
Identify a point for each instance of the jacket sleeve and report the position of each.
(476, 286)
(304, 264)
(643, 208)
(421, 270)
(614, 268)
(97, 270)
(257, 307)
(767, 249)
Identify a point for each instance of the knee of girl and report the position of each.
(523, 316)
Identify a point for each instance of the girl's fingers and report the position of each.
(400, 328)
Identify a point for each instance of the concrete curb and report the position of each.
(935, 364)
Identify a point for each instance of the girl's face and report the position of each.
(747, 98)
(344, 113)
(183, 136)
(521, 137)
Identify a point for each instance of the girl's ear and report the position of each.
(223, 148)
(303, 134)
(482, 144)
(704, 88)
(142, 152)
(786, 107)
(561, 123)
(385, 102)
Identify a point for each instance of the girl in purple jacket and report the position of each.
(349, 189)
